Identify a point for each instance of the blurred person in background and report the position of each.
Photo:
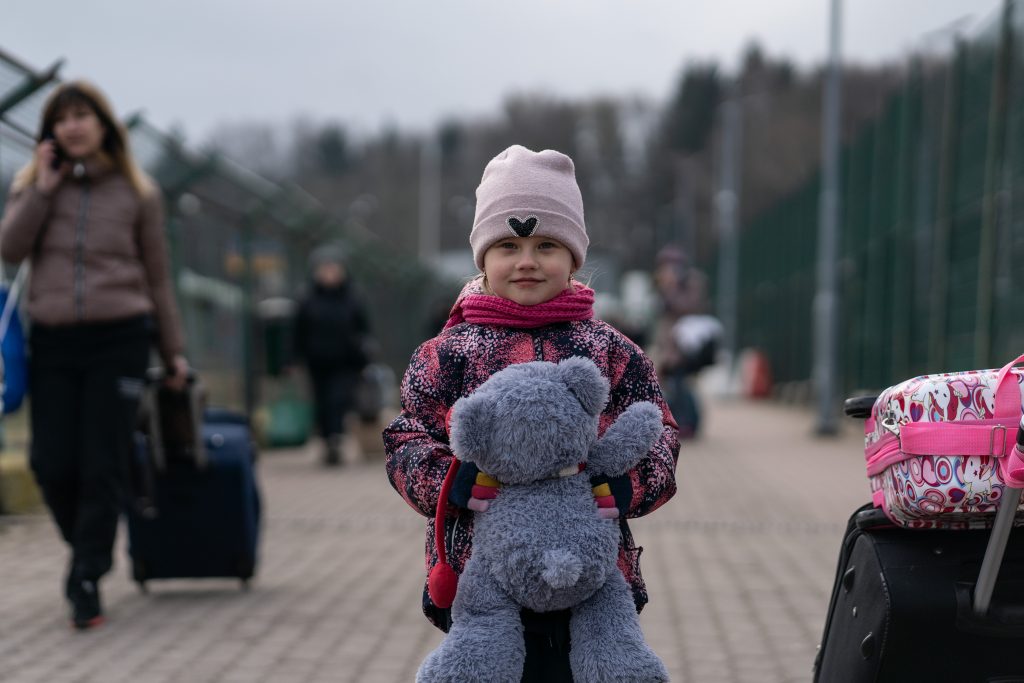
(684, 337)
(91, 224)
(528, 239)
(332, 338)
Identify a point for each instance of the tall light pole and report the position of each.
(727, 212)
(826, 300)
(430, 202)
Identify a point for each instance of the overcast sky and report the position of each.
(198, 63)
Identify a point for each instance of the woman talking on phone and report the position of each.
(100, 293)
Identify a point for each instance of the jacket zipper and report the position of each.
(538, 346)
(83, 212)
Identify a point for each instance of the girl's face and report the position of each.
(528, 270)
(79, 132)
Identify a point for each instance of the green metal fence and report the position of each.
(236, 241)
(931, 265)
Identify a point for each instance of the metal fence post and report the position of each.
(825, 300)
(994, 154)
(938, 310)
(727, 210)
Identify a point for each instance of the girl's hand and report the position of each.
(48, 177)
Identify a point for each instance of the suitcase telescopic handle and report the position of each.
(859, 406)
(1000, 535)
(154, 376)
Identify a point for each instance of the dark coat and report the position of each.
(331, 329)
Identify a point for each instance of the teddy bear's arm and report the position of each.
(627, 440)
(652, 481)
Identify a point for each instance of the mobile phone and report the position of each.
(58, 153)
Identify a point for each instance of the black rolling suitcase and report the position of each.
(902, 608)
(926, 605)
(197, 512)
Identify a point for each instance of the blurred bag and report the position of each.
(939, 448)
(289, 420)
(13, 359)
(697, 337)
(374, 392)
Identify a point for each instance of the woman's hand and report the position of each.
(48, 177)
(177, 374)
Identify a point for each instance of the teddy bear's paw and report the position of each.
(643, 420)
(482, 651)
(468, 672)
(456, 669)
(646, 668)
(431, 670)
(617, 664)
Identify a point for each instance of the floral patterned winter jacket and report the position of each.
(459, 360)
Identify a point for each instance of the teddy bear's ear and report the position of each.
(585, 382)
(469, 430)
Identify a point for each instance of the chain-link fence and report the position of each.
(237, 241)
(932, 256)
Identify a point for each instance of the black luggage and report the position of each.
(926, 605)
(197, 509)
(901, 607)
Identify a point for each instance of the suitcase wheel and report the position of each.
(143, 588)
(138, 571)
(246, 568)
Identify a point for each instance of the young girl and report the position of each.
(528, 239)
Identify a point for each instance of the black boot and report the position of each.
(84, 596)
(332, 456)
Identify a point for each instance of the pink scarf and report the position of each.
(473, 306)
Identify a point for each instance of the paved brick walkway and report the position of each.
(739, 567)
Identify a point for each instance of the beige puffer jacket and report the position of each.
(98, 253)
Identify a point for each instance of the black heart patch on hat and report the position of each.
(523, 228)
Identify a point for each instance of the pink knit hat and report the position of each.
(525, 193)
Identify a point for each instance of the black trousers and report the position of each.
(333, 395)
(682, 401)
(85, 382)
(547, 647)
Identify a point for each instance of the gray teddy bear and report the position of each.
(541, 543)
